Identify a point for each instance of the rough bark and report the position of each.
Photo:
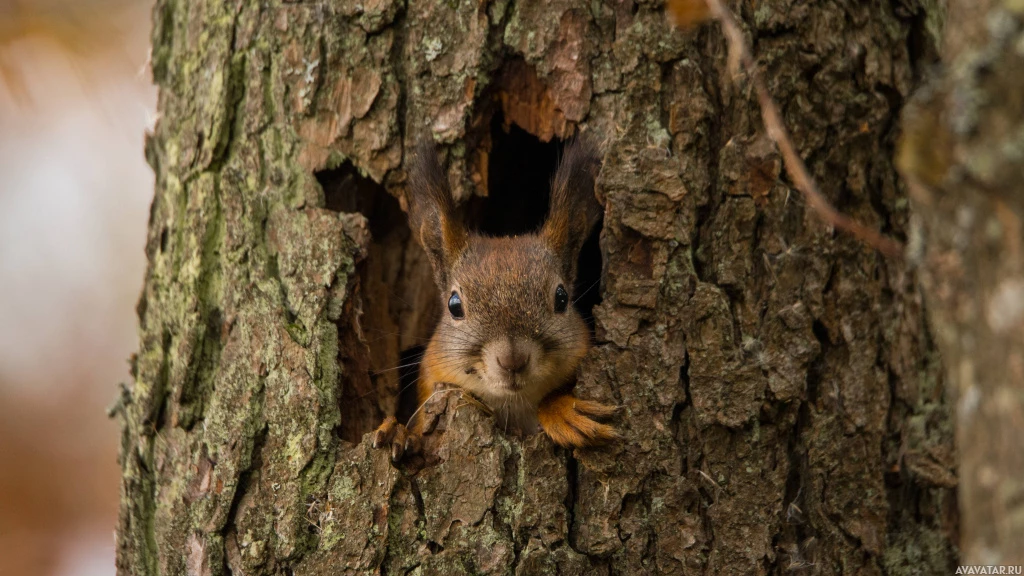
(963, 154)
(784, 408)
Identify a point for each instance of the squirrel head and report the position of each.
(508, 329)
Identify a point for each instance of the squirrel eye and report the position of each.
(561, 299)
(455, 306)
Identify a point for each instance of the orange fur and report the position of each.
(568, 421)
(688, 13)
(430, 376)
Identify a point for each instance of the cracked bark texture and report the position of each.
(783, 405)
(962, 153)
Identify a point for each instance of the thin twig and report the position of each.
(740, 53)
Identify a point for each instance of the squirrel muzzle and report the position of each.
(510, 362)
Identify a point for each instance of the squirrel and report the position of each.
(508, 334)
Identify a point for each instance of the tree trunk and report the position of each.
(783, 405)
(962, 154)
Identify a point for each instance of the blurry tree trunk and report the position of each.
(784, 407)
(963, 154)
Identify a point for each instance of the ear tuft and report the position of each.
(574, 209)
(431, 212)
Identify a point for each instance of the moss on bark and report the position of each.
(781, 404)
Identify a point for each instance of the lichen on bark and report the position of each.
(782, 407)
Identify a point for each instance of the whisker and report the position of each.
(504, 407)
(436, 392)
(448, 354)
(582, 294)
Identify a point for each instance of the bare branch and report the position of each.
(688, 12)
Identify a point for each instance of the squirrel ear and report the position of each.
(431, 213)
(574, 209)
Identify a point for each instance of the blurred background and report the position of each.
(75, 100)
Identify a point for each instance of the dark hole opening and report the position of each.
(520, 167)
(370, 365)
(346, 190)
(519, 174)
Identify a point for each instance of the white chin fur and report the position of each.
(514, 409)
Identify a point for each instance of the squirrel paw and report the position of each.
(572, 423)
(395, 437)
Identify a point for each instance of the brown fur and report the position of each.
(507, 287)
(431, 212)
(574, 211)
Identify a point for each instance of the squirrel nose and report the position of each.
(513, 360)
